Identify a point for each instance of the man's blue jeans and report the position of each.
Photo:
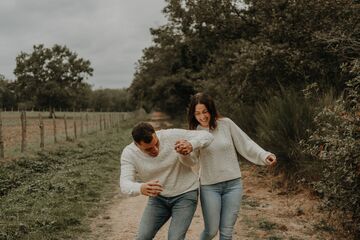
(220, 205)
(159, 209)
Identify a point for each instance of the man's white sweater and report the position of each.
(170, 168)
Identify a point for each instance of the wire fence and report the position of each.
(26, 131)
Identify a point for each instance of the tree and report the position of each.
(236, 48)
(181, 48)
(51, 77)
(84, 102)
(293, 44)
(111, 100)
(7, 96)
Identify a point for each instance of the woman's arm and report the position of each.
(247, 148)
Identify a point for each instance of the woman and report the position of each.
(220, 177)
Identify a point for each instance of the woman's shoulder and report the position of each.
(224, 120)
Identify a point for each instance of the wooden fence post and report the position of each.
(105, 123)
(41, 126)
(103, 120)
(66, 129)
(111, 122)
(95, 122)
(87, 123)
(101, 127)
(23, 131)
(1, 139)
(75, 131)
(117, 120)
(54, 126)
(81, 125)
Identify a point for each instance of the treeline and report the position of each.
(54, 78)
(288, 72)
(243, 52)
(98, 100)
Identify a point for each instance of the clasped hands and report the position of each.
(183, 147)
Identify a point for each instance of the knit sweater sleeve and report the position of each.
(190, 159)
(245, 146)
(198, 140)
(128, 185)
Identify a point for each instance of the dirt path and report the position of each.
(267, 212)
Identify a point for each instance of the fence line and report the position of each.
(41, 126)
(23, 131)
(33, 131)
(1, 139)
(54, 128)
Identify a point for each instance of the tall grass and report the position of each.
(52, 194)
(281, 123)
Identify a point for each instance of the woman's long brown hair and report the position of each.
(202, 98)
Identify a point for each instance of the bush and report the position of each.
(281, 123)
(336, 143)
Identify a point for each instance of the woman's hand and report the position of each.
(271, 160)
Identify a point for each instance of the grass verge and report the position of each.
(52, 194)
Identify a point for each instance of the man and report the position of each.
(165, 175)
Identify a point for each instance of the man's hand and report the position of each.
(183, 147)
(271, 160)
(151, 188)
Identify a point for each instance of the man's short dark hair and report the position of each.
(143, 132)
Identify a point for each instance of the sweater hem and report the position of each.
(222, 180)
(177, 194)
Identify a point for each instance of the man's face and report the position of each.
(151, 148)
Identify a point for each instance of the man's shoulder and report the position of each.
(169, 132)
(130, 149)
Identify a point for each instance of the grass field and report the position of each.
(52, 194)
(12, 134)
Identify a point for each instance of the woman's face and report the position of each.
(202, 115)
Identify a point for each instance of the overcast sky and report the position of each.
(109, 33)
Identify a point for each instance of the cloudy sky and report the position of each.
(109, 33)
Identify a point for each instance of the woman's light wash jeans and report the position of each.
(159, 209)
(220, 205)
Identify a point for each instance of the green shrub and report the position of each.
(281, 123)
(336, 143)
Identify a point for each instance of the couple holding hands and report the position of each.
(159, 164)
